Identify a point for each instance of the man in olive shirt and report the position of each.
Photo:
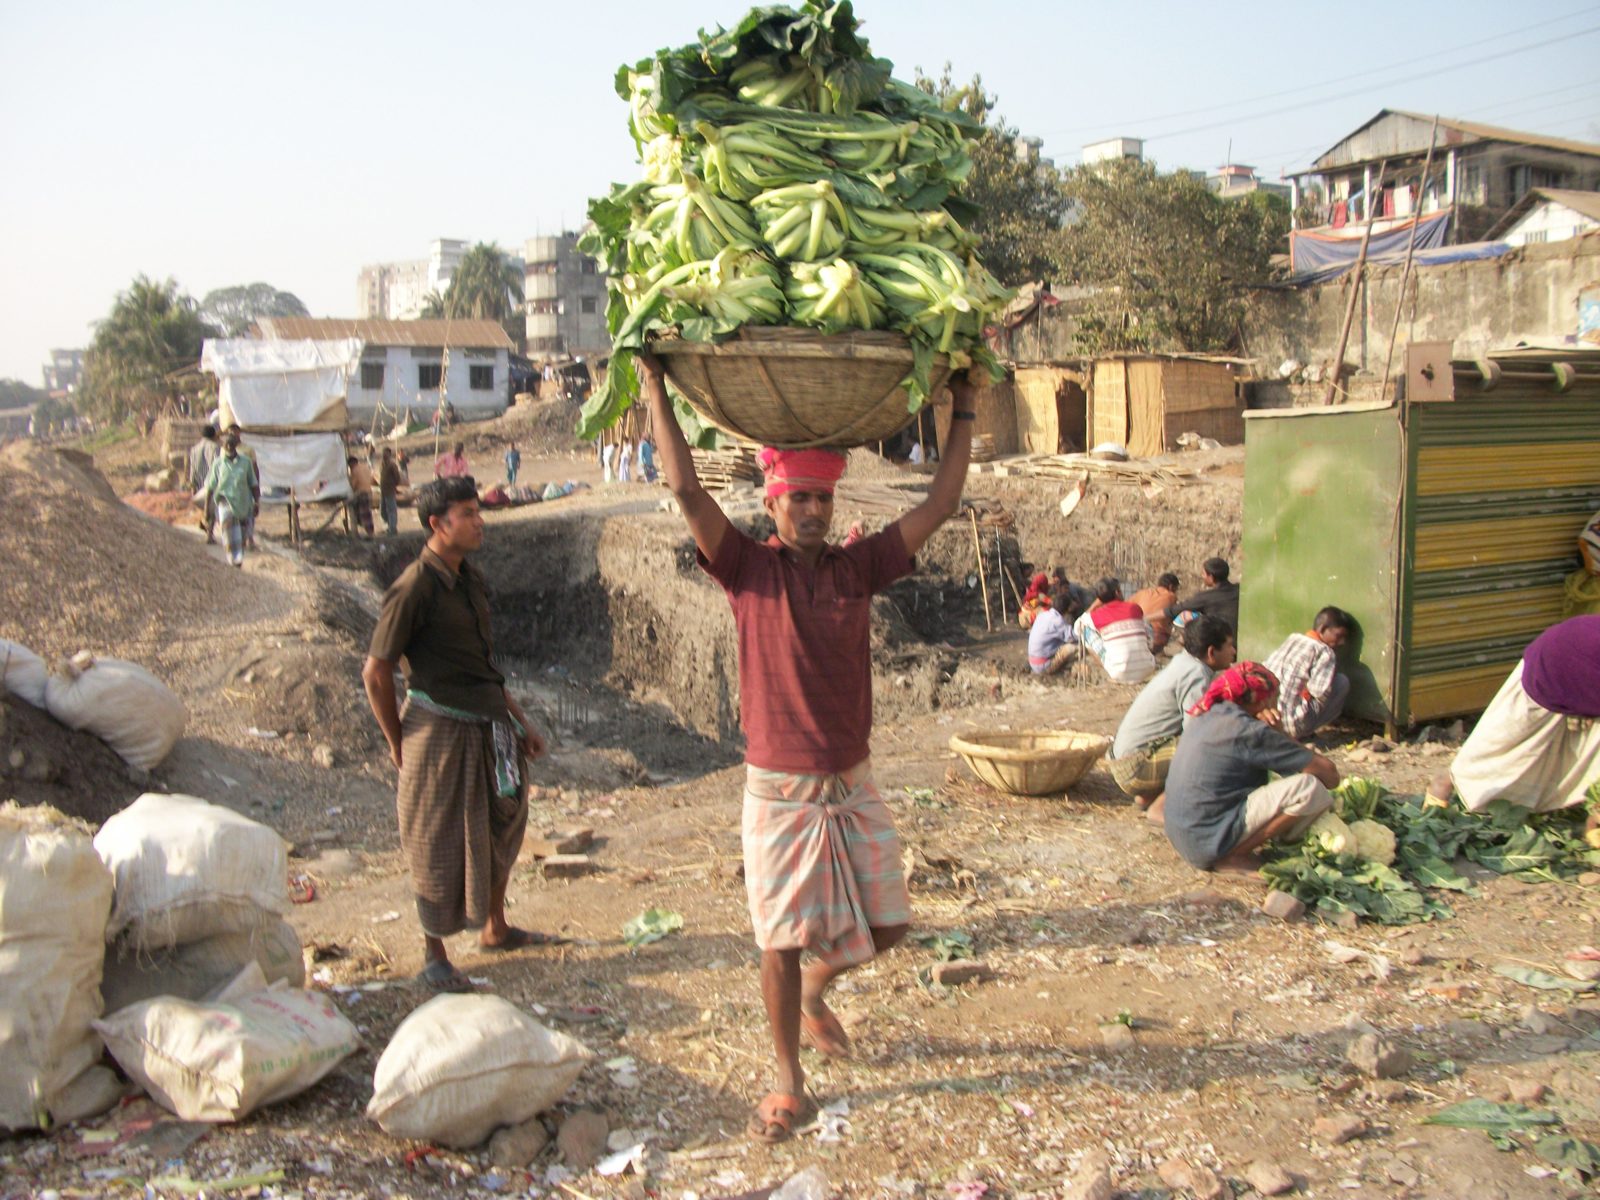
(461, 740)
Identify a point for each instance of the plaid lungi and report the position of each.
(460, 836)
(822, 863)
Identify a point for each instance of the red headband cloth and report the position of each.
(1036, 587)
(1241, 682)
(800, 470)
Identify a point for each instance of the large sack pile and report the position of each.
(55, 896)
(202, 972)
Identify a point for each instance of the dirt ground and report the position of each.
(1136, 1008)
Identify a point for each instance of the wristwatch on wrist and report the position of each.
(963, 414)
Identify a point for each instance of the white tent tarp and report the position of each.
(310, 463)
(280, 383)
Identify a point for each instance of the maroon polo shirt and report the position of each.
(805, 659)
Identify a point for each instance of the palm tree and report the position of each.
(432, 306)
(486, 286)
(153, 332)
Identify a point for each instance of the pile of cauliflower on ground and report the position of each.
(1363, 838)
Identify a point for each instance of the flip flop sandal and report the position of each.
(442, 977)
(826, 1034)
(522, 939)
(776, 1116)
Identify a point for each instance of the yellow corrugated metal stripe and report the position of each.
(1458, 619)
(1452, 692)
(1457, 544)
(1452, 470)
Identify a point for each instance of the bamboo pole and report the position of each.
(1411, 249)
(983, 578)
(1356, 274)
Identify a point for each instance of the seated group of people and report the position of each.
(1198, 746)
(1126, 635)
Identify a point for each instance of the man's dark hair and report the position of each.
(435, 497)
(349, 460)
(1205, 633)
(1169, 581)
(461, 447)
(1334, 618)
(1107, 590)
(1217, 568)
(209, 432)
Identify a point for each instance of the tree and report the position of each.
(153, 332)
(233, 309)
(485, 286)
(1021, 202)
(432, 306)
(16, 394)
(1168, 261)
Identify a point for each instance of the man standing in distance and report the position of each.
(461, 741)
(822, 859)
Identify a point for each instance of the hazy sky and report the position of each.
(292, 142)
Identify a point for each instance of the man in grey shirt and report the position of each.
(1221, 803)
(1148, 736)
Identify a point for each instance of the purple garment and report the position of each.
(1561, 669)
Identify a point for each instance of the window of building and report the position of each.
(1536, 235)
(1471, 187)
(586, 304)
(429, 375)
(481, 379)
(372, 376)
(1524, 178)
(589, 265)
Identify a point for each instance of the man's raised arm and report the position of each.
(944, 493)
(707, 522)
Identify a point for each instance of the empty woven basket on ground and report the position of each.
(791, 387)
(1032, 763)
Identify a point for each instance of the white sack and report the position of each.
(55, 896)
(187, 870)
(310, 463)
(22, 673)
(220, 1061)
(460, 1066)
(194, 971)
(124, 705)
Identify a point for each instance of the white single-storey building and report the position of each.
(1548, 215)
(404, 364)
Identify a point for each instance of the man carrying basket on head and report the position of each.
(822, 859)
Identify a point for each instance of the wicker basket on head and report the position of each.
(1041, 762)
(791, 388)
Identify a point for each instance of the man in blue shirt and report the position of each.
(1148, 736)
(1051, 642)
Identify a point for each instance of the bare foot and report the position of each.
(1238, 864)
(1156, 814)
(822, 1027)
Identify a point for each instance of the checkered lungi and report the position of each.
(460, 836)
(822, 863)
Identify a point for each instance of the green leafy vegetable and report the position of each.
(1543, 979)
(950, 945)
(651, 926)
(1570, 1153)
(1492, 1117)
(785, 140)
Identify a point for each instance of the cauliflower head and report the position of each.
(1372, 840)
(1332, 834)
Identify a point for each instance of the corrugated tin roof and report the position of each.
(1587, 203)
(1492, 133)
(474, 335)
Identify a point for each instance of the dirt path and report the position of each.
(1086, 919)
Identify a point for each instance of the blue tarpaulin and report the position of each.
(1310, 250)
(1423, 258)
